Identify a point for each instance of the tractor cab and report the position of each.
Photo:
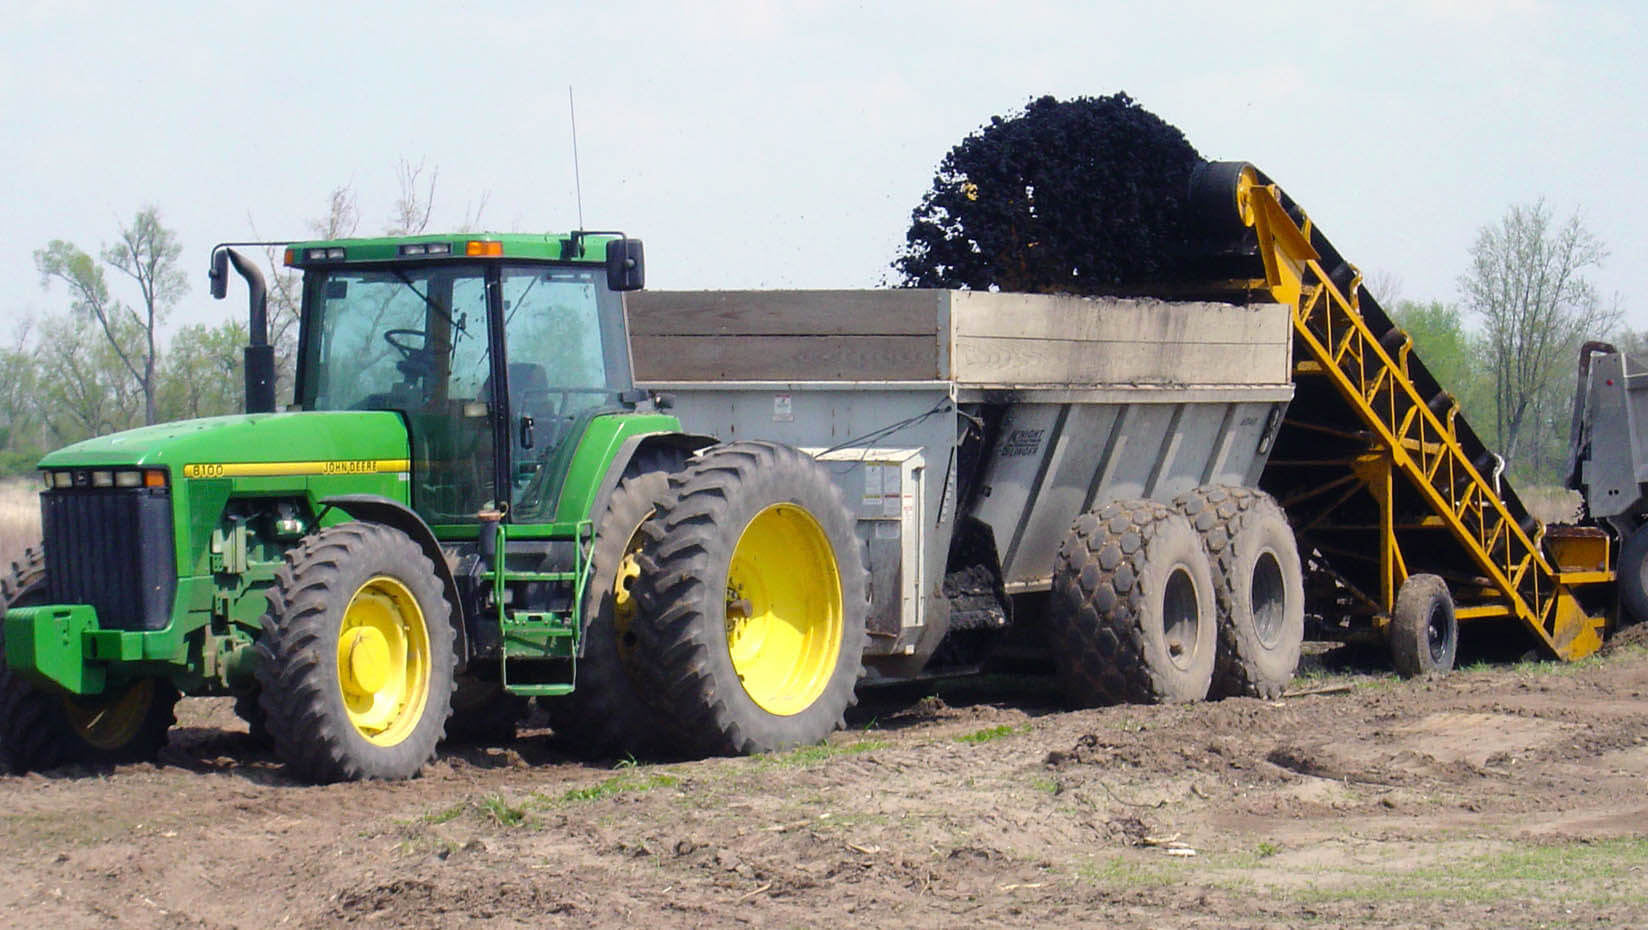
(493, 351)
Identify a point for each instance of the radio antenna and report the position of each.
(577, 180)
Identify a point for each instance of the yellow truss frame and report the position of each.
(1413, 440)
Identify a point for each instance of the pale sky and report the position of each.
(755, 144)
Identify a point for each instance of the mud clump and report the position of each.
(1076, 196)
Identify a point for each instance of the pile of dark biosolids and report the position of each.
(1080, 196)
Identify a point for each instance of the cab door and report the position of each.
(567, 361)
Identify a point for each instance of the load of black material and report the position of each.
(1080, 196)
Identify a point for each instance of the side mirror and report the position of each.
(626, 265)
(219, 273)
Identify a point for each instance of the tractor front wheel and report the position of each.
(355, 662)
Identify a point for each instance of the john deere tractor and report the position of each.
(449, 518)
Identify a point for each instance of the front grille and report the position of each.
(112, 549)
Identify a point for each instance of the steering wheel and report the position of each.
(393, 337)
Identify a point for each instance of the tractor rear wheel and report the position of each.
(355, 657)
(1258, 586)
(608, 713)
(43, 730)
(1132, 613)
(753, 597)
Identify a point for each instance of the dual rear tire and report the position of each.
(753, 596)
(1153, 604)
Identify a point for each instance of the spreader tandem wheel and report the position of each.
(1258, 586)
(1132, 615)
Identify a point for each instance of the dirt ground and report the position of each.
(1504, 796)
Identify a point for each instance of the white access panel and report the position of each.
(883, 488)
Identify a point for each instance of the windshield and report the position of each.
(400, 338)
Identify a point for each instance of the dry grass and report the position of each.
(19, 518)
(1551, 504)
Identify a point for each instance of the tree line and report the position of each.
(1508, 350)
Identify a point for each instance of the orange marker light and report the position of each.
(484, 248)
(290, 258)
(154, 478)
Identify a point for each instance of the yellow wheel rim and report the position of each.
(784, 612)
(623, 595)
(111, 724)
(383, 661)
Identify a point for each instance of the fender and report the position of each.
(373, 508)
(686, 442)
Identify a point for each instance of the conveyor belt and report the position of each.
(1376, 466)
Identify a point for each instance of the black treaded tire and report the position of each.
(41, 730)
(1132, 613)
(1633, 575)
(299, 673)
(607, 713)
(1258, 587)
(1424, 632)
(483, 713)
(697, 575)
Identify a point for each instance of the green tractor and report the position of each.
(466, 505)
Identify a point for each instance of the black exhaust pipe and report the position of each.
(260, 355)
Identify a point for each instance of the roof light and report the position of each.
(62, 479)
(323, 255)
(102, 479)
(128, 479)
(426, 248)
(485, 248)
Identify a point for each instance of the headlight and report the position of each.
(62, 479)
(128, 479)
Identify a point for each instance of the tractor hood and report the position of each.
(289, 443)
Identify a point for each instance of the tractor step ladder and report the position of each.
(538, 634)
(1498, 566)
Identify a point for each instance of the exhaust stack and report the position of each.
(260, 355)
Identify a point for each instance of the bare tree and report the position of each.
(19, 400)
(341, 220)
(146, 252)
(1527, 283)
(412, 208)
(1385, 286)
